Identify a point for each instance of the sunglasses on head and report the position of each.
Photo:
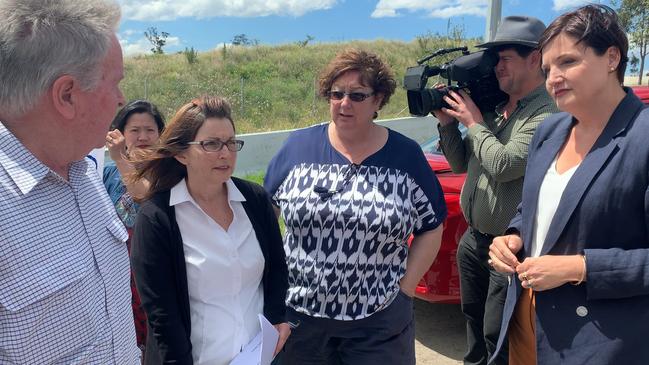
(356, 96)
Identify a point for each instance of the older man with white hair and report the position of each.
(64, 270)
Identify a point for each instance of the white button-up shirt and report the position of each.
(64, 271)
(224, 273)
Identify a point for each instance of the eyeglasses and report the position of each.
(324, 193)
(215, 145)
(356, 96)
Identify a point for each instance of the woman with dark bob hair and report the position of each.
(351, 192)
(578, 250)
(207, 251)
(137, 125)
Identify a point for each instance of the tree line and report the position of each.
(634, 15)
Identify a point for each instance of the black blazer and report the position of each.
(158, 264)
(604, 214)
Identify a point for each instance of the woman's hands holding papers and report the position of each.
(284, 331)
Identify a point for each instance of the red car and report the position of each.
(642, 92)
(441, 283)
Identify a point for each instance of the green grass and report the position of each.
(269, 87)
(257, 177)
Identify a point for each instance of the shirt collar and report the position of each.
(180, 193)
(538, 92)
(22, 166)
(25, 169)
(233, 192)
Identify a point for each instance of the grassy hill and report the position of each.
(270, 87)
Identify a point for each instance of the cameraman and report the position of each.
(493, 154)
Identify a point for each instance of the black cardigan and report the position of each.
(158, 264)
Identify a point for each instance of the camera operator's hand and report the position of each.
(444, 118)
(462, 108)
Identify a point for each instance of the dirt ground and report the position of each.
(440, 336)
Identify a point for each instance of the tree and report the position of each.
(634, 15)
(158, 40)
(191, 55)
(243, 40)
(306, 41)
(633, 62)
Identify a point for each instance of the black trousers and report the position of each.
(483, 292)
(384, 338)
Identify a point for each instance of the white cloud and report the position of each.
(223, 44)
(153, 10)
(452, 11)
(173, 41)
(384, 12)
(431, 8)
(142, 45)
(128, 32)
(561, 5)
(133, 48)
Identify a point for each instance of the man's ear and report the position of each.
(63, 94)
(535, 59)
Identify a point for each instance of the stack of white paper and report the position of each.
(259, 351)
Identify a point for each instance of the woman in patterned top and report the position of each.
(351, 192)
(137, 125)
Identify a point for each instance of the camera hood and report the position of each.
(473, 66)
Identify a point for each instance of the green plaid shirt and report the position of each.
(494, 155)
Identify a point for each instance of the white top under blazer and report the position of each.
(550, 193)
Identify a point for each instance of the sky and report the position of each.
(208, 24)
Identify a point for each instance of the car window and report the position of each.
(432, 145)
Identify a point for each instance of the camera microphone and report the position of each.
(325, 193)
(322, 190)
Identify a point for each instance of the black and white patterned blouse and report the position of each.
(347, 225)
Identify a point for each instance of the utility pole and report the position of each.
(493, 19)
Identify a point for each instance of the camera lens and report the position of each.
(437, 98)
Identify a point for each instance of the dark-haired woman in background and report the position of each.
(137, 125)
(207, 251)
(351, 193)
(578, 250)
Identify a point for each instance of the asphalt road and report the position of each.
(440, 334)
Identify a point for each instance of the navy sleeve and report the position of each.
(405, 154)
(300, 146)
(277, 169)
(430, 203)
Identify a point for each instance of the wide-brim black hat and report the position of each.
(521, 30)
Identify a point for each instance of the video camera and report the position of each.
(472, 72)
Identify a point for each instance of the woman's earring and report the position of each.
(376, 115)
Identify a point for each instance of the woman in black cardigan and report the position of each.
(200, 223)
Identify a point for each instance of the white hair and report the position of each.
(42, 40)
